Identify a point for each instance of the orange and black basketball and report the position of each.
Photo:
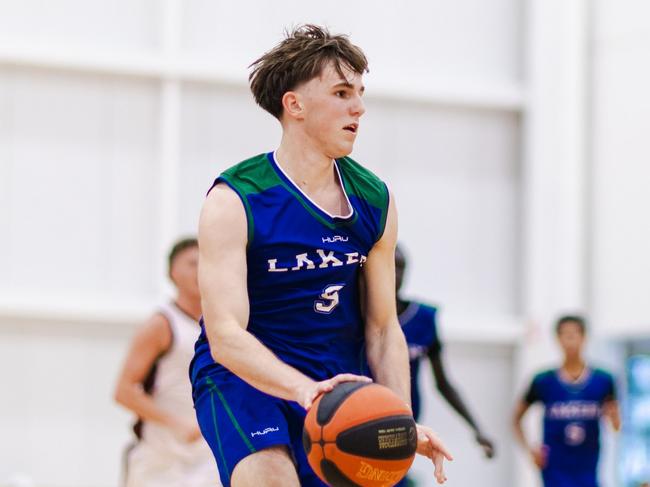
(360, 434)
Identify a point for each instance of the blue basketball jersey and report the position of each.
(304, 265)
(419, 325)
(571, 420)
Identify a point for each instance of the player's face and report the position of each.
(184, 271)
(332, 108)
(571, 339)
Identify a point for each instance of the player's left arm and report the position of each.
(612, 413)
(610, 406)
(387, 352)
(454, 399)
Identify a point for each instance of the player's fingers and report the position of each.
(438, 469)
(338, 379)
(307, 404)
(437, 444)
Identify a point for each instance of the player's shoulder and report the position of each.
(600, 373)
(252, 175)
(545, 375)
(156, 332)
(363, 182)
(424, 308)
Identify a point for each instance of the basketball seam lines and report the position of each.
(216, 430)
(234, 421)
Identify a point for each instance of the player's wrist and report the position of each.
(302, 390)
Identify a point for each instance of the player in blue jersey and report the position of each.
(575, 397)
(419, 324)
(283, 238)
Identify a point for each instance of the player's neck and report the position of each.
(310, 169)
(189, 305)
(574, 367)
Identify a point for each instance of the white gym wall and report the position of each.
(511, 133)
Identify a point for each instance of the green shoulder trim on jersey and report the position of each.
(364, 184)
(430, 307)
(601, 371)
(251, 176)
(544, 373)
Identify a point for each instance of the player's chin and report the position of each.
(342, 150)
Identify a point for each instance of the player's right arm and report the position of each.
(152, 340)
(224, 301)
(454, 399)
(537, 454)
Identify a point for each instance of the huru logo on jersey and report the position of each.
(335, 238)
(322, 260)
(266, 431)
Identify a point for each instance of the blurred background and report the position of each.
(512, 132)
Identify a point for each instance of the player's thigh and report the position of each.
(270, 467)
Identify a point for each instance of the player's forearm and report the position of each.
(132, 397)
(387, 355)
(245, 356)
(521, 436)
(453, 398)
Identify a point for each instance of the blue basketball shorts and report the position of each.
(238, 420)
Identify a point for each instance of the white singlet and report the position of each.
(159, 458)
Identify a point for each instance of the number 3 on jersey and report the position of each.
(328, 300)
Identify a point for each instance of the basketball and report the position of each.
(360, 434)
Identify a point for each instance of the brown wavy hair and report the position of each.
(300, 57)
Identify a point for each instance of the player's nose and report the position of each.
(358, 107)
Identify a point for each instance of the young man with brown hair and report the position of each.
(284, 237)
(169, 450)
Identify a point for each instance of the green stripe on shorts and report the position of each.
(213, 387)
(216, 430)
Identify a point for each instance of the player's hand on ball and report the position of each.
(308, 395)
(432, 447)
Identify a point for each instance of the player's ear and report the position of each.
(293, 106)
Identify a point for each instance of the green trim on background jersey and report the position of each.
(213, 387)
(365, 185)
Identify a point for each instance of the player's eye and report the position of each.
(341, 93)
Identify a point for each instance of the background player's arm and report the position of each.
(537, 453)
(151, 341)
(612, 413)
(224, 302)
(453, 398)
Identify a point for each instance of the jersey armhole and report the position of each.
(384, 213)
(250, 224)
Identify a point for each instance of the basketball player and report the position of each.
(280, 297)
(575, 397)
(153, 384)
(419, 324)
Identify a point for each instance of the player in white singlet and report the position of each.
(154, 384)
